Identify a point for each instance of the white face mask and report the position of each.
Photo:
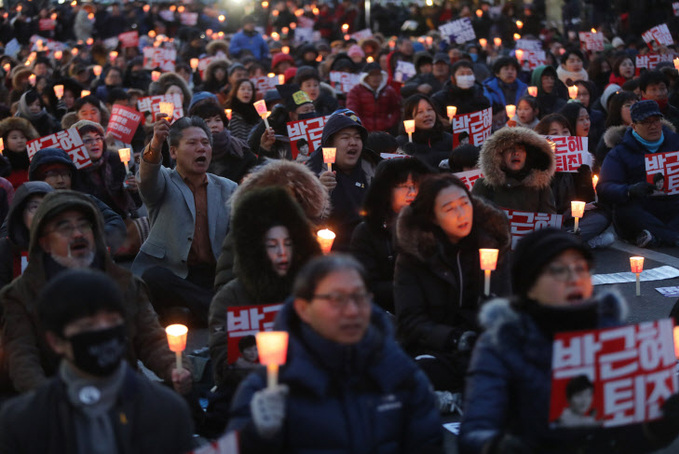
(464, 82)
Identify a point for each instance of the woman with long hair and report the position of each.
(431, 143)
(241, 100)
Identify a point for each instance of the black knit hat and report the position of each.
(534, 251)
(293, 96)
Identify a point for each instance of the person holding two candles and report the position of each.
(508, 383)
(347, 385)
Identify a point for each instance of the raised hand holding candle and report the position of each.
(483, 42)
(451, 111)
(260, 107)
(637, 266)
(519, 54)
(59, 91)
(124, 154)
(31, 79)
(511, 110)
(272, 347)
(497, 42)
(194, 63)
(488, 259)
(166, 108)
(573, 91)
(533, 91)
(176, 340)
(325, 238)
(96, 69)
(578, 211)
(329, 156)
(228, 114)
(409, 126)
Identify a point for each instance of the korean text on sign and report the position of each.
(665, 165)
(343, 82)
(404, 71)
(650, 61)
(523, 222)
(68, 140)
(123, 123)
(244, 321)
(159, 57)
(459, 31)
(469, 177)
(152, 104)
(571, 152)
(660, 34)
(310, 130)
(591, 41)
(631, 368)
(473, 128)
(264, 84)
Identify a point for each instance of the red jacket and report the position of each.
(378, 110)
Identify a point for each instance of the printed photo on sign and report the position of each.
(343, 82)
(305, 136)
(660, 34)
(404, 71)
(531, 59)
(571, 152)
(612, 377)
(242, 324)
(123, 123)
(151, 104)
(458, 31)
(160, 57)
(662, 170)
(469, 177)
(473, 128)
(591, 41)
(68, 140)
(521, 223)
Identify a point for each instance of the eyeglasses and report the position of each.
(91, 141)
(339, 300)
(66, 229)
(563, 273)
(57, 173)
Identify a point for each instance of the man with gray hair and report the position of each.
(189, 218)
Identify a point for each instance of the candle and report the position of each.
(497, 42)
(637, 266)
(59, 91)
(272, 347)
(329, 156)
(31, 79)
(221, 18)
(370, 59)
(166, 108)
(488, 259)
(533, 91)
(113, 55)
(479, 13)
(281, 79)
(451, 111)
(176, 340)
(228, 113)
(58, 54)
(2, 145)
(285, 49)
(594, 30)
(194, 63)
(676, 63)
(260, 107)
(345, 28)
(483, 42)
(325, 239)
(519, 54)
(410, 128)
(517, 37)
(124, 154)
(84, 93)
(96, 69)
(676, 342)
(519, 24)
(89, 41)
(511, 110)
(573, 91)
(577, 210)
(74, 51)
(7, 67)
(595, 180)
(155, 75)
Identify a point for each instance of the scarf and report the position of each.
(22, 110)
(246, 110)
(650, 146)
(564, 75)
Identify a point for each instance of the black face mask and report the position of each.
(99, 352)
(306, 116)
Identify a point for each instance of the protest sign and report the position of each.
(458, 31)
(469, 177)
(305, 135)
(660, 34)
(264, 84)
(45, 25)
(244, 321)
(571, 152)
(159, 57)
(521, 223)
(68, 140)
(650, 61)
(473, 128)
(189, 19)
(625, 374)
(662, 170)
(129, 39)
(152, 104)
(123, 123)
(404, 71)
(362, 34)
(343, 82)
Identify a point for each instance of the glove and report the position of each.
(640, 189)
(666, 428)
(509, 444)
(268, 410)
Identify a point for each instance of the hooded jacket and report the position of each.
(549, 102)
(27, 355)
(19, 161)
(164, 82)
(437, 284)
(380, 109)
(256, 281)
(526, 190)
(211, 83)
(371, 396)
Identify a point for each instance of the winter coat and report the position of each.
(438, 285)
(493, 90)
(528, 189)
(466, 101)
(431, 146)
(509, 382)
(624, 166)
(371, 396)
(239, 127)
(549, 102)
(379, 110)
(18, 160)
(250, 41)
(29, 358)
(326, 103)
(146, 417)
(231, 157)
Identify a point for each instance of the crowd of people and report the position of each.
(218, 206)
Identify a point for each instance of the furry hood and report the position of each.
(19, 77)
(20, 124)
(212, 67)
(540, 158)
(298, 178)
(165, 81)
(489, 223)
(614, 134)
(216, 46)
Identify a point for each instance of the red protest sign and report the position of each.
(662, 170)
(521, 223)
(591, 41)
(571, 152)
(264, 84)
(123, 123)
(159, 57)
(244, 321)
(152, 104)
(650, 61)
(306, 133)
(129, 39)
(473, 128)
(622, 375)
(660, 34)
(68, 140)
(469, 177)
(46, 25)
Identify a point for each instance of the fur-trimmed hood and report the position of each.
(212, 67)
(165, 81)
(19, 124)
(490, 225)
(614, 134)
(539, 159)
(298, 178)
(216, 46)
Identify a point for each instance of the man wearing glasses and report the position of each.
(639, 215)
(67, 233)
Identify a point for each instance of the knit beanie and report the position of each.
(536, 250)
(338, 122)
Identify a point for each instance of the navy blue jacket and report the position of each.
(492, 91)
(365, 398)
(624, 166)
